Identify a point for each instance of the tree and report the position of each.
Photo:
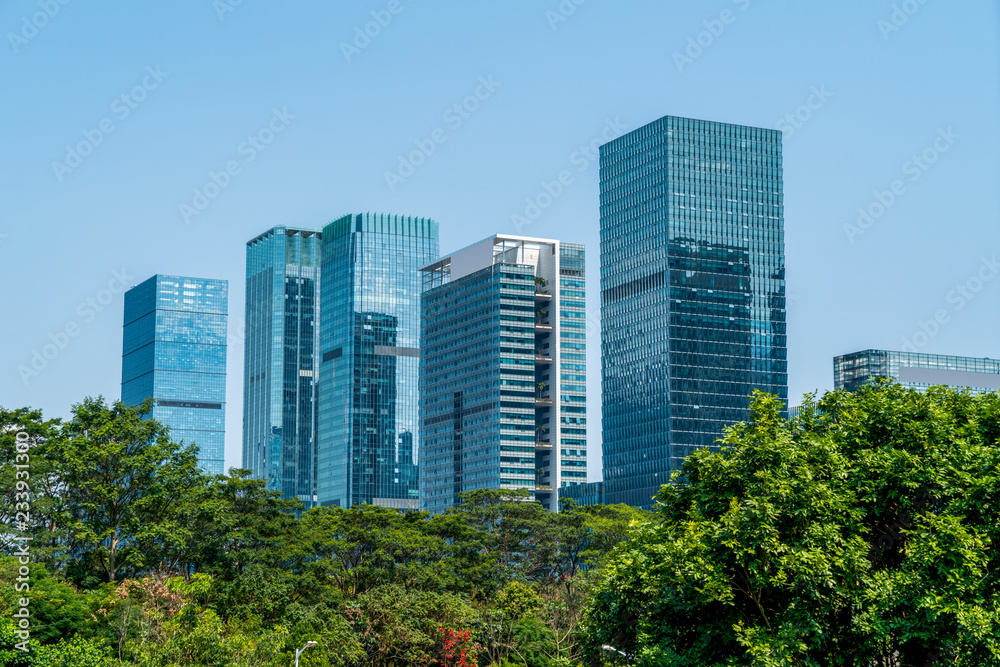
(122, 479)
(28, 459)
(55, 608)
(366, 546)
(568, 546)
(240, 523)
(578, 537)
(511, 527)
(515, 604)
(398, 626)
(147, 561)
(773, 551)
(75, 652)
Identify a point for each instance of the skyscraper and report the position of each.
(692, 292)
(368, 437)
(916, 370)
(281, 359)
(174, 351)
(503, 371)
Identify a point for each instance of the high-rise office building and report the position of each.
(281, 359)
(589, 493)
(692, 292)
(174, 351)
(503, 371)
(916, 370)
(368, 436)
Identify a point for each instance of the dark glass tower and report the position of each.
(692, 292)
(174, 351)
(370, 343)
(280, 360)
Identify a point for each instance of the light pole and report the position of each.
(612, 649)
(299, 651)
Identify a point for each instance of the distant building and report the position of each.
(174, 351)
(590, 493)
(503, 371)
(281, 359)
(916, 370)
(692, 292)
(368, 436)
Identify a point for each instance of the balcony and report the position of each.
(542, 327)
(541, 402)
(542, 296)
(541, 358)
(543, 446)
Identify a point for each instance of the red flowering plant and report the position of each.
(458, 650)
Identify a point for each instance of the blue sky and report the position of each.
(164, 95)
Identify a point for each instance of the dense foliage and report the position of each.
(861, 533)
(138, 558)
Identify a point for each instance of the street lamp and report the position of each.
(299, 651)
(612, 649)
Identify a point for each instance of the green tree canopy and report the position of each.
(859, 533)
(122, 480)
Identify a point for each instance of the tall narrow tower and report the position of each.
(370, 355)
(281, 358)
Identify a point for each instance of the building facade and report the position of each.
(503, 371)
(281, 356)
(692, 292)
(368, 436)
(916, 370)
(174, 351)
(590, 493)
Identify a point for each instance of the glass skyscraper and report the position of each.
(916, 370)
(281, 360)
(692, 292)
(503, 371)
(368, 435)
(590, 493)
(174, 351)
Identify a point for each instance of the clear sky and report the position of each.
(139, 103)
